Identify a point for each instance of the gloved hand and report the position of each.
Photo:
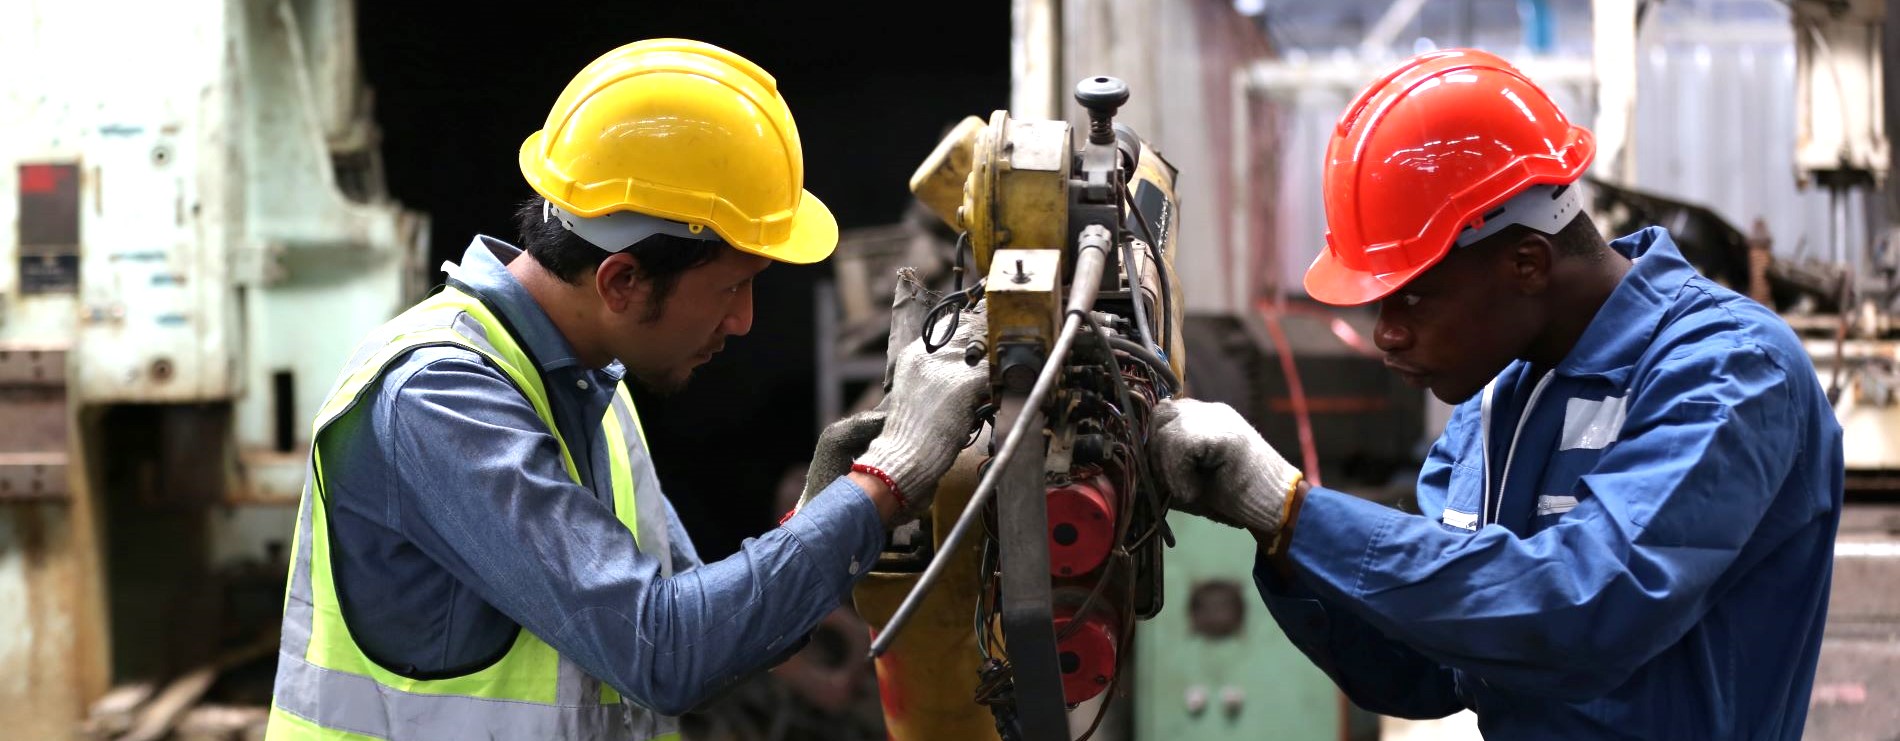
(1215, 465)
(930, 410)
(843, 441)
(840, 443)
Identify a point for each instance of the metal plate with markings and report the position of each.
(49, 228)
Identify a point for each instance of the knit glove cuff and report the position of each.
(1215, 465)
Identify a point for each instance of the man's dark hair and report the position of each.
(661, 258)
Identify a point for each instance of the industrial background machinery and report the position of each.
(187, 187)
(1046, 540)
(173, 224)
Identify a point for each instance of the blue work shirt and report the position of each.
(453, 522)
(1643, 550)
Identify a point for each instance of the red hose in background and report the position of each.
(1309, 453)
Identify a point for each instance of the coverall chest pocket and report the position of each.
(1464, 497)
(1560, 491)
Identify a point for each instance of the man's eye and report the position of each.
(1409, 299)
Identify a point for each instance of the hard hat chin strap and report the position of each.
(1545, 208)
(622, 229)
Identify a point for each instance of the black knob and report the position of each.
(1102, 96)
(1101, 93)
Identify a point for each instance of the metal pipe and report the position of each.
(1091, 256)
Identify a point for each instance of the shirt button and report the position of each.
(581, 384)
(853, 570)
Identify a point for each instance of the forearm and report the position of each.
(1568, 613)
(1374, 671)
(500, 513)
(880, 495)
(681, 640)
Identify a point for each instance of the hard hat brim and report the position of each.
(1329, 281)
(813, 236)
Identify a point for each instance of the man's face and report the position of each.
(1455, 326)
(709, 303)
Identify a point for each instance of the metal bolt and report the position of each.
(1022, 276)
(1231, 699)
(1196, 699)
(974, 353)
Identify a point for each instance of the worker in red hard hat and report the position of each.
(1627, 527)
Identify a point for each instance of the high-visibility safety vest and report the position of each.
(327, 688)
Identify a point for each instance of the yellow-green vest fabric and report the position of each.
(327, 688)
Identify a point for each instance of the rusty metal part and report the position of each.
(32, 367)
(33, 424)
(33, 476)
(50, 570)
(1760, 255)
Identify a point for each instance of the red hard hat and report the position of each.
(1425, 152)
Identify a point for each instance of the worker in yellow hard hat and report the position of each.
(483, 549)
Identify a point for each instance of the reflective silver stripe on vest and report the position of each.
(299, 613)
(654, 536)
(359, 704)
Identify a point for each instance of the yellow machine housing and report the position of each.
(1010, 187)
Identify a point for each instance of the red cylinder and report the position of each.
(1081, 526)
(1086, 656)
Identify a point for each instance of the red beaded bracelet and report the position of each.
(902, 503)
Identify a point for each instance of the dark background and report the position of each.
(458, 87)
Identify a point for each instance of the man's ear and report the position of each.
(1530, 263)
(619, 283)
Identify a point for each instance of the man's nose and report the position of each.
(1390, 335)
(739, 320)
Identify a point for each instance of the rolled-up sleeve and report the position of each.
(482, 490)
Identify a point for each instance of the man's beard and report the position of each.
(661, 385)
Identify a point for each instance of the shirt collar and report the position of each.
(1623, 326)
(484, 269)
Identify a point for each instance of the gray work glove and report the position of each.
(1215, 465)
(930, 410)
(843, 441)
(840, 443)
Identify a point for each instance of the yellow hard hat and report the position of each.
(686, 131)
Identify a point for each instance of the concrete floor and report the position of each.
(1857, 688)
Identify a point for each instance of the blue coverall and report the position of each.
(1636, 545)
